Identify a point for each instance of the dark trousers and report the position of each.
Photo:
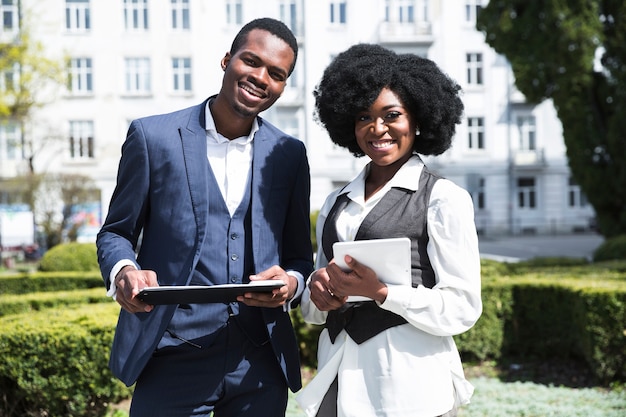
(232, 377)
(328, 407)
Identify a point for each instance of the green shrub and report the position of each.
(611, 249)
(25, 283)
(23, 303)
(486, 339)
(70, 257)
(54, 362)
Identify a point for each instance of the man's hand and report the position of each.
(277, 297)
(129, 282)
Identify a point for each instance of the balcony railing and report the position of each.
(529, 158)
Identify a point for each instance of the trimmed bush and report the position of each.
(54, 362)
(611, 249)
(70, 257)
(26, 283)
(24, 303)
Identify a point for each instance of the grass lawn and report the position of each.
(554, 389)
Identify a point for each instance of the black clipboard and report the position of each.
(199, 294)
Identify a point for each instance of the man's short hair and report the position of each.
(273, 26)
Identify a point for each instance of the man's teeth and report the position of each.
(251, 91)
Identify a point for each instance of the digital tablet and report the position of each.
(198, 294)
(389, 258)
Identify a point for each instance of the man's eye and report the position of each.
(278, 76)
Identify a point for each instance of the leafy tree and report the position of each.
(574, 52)
(29, 81)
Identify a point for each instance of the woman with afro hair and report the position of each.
(392, 355)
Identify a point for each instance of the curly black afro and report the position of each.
(355, 78)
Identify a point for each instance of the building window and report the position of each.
(138, 76)
(136, 14)
(81, 140)
(181, 71)
(527, 133)
(476, 188)
(80, 80)
(234, 12)
(474, 68)
(289, 14)
(77, 15)
(472, 9)
(10, 79)
(526, 193)
(406, 11)
(338, 12)
(399, 11)
(480, 195)
(576, 198)
(10, 16)
(11, 142)
(475, 133)
(180, 14)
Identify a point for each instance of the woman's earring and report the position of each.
(417, 132)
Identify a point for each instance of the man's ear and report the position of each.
(225, 61)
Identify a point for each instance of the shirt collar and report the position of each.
(216, 137)
(406, 177)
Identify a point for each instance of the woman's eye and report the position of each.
(393, 115)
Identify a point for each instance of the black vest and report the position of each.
(400, 213)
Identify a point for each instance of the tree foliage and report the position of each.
(574, 53)
(30, 80)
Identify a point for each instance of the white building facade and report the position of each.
(133, 58)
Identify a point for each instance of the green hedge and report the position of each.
(15, 304)
(54, 362)
(553, 312)
(30, 282)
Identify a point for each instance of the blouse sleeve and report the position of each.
(454, 304)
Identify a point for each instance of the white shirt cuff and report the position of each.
(112, 291)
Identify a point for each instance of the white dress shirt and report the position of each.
(413, 369)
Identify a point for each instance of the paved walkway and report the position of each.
(516, 248)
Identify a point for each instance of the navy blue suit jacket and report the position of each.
(162, 196)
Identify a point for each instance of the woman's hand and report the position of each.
(360, 280)
(321, 295)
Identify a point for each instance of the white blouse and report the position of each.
(413, 369)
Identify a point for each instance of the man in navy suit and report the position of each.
(212, 194)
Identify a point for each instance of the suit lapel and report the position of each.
(262, 173)
(194, 146)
